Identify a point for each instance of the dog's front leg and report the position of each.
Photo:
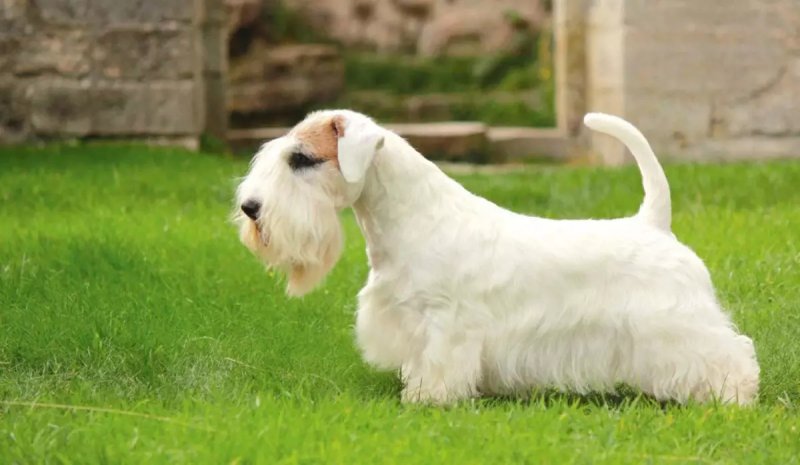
(381, 335)
(438, 355)
(446, 370)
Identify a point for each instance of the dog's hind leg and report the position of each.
(699, 364)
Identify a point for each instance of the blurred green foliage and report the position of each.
(503, 113)
(479, 86)
(284, 25)
(404, 75)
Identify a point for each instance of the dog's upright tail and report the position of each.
(656, 208)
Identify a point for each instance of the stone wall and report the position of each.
(703, 79)
(109, 68)
(426, 27)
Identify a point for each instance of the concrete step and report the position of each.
(247, 140)
(449, 141)
(515, 144)
(453, 141)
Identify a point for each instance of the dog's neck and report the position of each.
(400, 184)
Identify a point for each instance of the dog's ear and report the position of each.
(358, 140)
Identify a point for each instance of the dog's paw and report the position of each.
(425, 397)
(437, 395)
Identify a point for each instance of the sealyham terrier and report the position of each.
(466, 298)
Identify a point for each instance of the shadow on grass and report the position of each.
(623, 398)
(387, 386)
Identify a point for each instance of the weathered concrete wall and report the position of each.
(569, 20)
(108, 68)
(704, 79)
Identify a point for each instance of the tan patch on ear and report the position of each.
(338, 126)
(322, 137)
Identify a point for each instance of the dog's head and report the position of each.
(287, 205)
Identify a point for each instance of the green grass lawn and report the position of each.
(135, 329)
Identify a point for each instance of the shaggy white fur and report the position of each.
(466, 298)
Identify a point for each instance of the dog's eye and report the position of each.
(299, 160)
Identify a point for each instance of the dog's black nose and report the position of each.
(251, 208)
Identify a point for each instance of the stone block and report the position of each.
(61, 107)
(215, 12)
(145, 53)
(173, 109)
(119, 109)
(113, 12)
(9, 50)
(12, 16)
(216, 119)
(215, 50)
(116, 12)
(251, 139)
(509, 144)
(272, 79)
(144, 109)
(62, 53)
(14, 111)
(62, 12)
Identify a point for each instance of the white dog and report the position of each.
(466, 298)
